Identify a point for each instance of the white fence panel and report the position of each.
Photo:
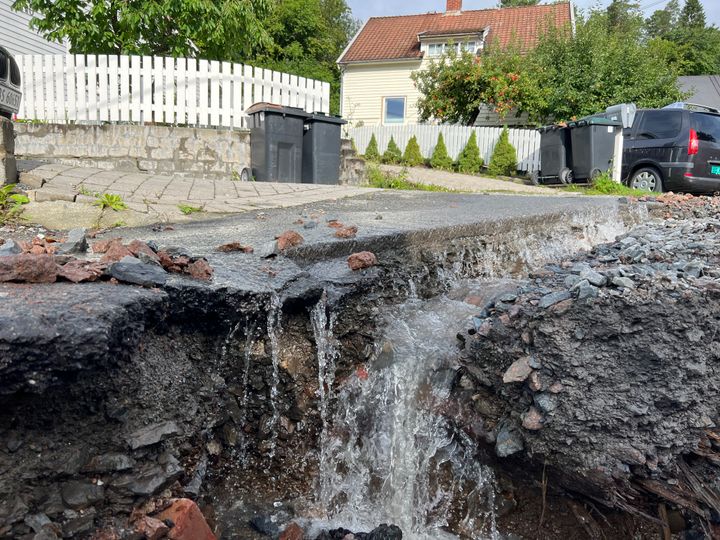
(147, 89)
(525, 141)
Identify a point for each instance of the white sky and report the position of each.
(362, 9)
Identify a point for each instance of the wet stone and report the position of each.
(80, 495)
(76, 242)
(132, 270)
(152, 434)
(553, 298)
(508, 442)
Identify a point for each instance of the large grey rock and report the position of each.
(152, 434)
(553, 298)
(508, 442)
(10, 247)
(76, 242)
(79, 495)
(132, 270)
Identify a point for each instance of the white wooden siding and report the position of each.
(184, 91)
(525, 141)
(17, 36)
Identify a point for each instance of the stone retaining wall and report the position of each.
(8, 169)
(196, 152)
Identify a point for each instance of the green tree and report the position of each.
(392, 153)
(412, 156)
(624, 15)
(213, 29)
(692, 15)
(440, 158)
(663, 21)
(371, 152)
(504, 158)
(518, 3)
(469, 160)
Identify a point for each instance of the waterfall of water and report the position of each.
(273, 327)
(389, 455)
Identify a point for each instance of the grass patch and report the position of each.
(11, 204)
(605, 185)
(187, 209)
(110, 200)
(387, 180)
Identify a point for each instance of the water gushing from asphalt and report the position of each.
(274, 322)
(389, 453)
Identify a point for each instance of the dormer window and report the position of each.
(438, 49)
(434, 44)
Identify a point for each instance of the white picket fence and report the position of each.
(525, 141)
(152, 89)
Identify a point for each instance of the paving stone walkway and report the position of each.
(154, 193)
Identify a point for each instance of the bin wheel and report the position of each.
(594, 174)
(245, 175)
(535, 178)
(566, 175)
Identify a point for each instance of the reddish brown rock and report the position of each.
(335, 224)
(189, 521)
(361, 260)
(518, 371)
(533, 420)
(37, 250)
(177, 265)
(292, 532)
(235, 246)
(346, 232)
(101, 246)
(115, 251)
(152, 528)
(200, 269)
(534, 382)
(136, 247)
(79, 271)
(26, 268)
(289, 239)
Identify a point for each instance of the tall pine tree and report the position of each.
(693, 15)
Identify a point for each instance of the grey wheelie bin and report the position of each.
(276, 142)
(321, 149)
(593, 146)
(555, 156)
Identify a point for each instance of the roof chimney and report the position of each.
(453, 6)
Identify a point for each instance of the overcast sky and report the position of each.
(362, 9)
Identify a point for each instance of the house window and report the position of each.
(437, 49)
(394, 110)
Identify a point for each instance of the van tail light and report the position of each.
(694, 144)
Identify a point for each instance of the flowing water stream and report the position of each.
(388, 455)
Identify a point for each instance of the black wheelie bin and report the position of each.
(593, 146)
(555, 156)
(321, 149)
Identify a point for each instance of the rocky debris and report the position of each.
(132, 270)
(27, 268)
(142, 250)
(346, 232)
(151, 528)
(111, 462)
(188, 521)
(113, 250)
(234, 246)
(79, 271)
(335, 223)
(289, 239)
(75, 243)
(200, 269)
(196, 267)
(601, 365)
(362, 260)
(80, 495)
(292, 532)
(152, 434)
(383, 532)
(10, 247)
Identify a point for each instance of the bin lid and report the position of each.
(274, 108)
(594, 121)
(326, 118)
(553, 127)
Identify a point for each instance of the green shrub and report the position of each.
(392, 155)
(378, 178)
(470, 160)
(504, 159)
(371, 152)
(440, 158)
(412, 156)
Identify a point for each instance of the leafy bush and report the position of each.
(470, 160)
(412, 156)
(504, 159)
(371, 152)
(392, 155)
(440, 158)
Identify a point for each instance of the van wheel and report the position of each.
(535, 178)
(646, 179)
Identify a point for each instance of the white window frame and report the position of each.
(384, 110)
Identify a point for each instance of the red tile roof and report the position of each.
(394, 38)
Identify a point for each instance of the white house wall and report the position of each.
(17, 36)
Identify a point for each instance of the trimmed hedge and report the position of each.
(504, 159)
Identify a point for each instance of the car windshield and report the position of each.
(707, 127)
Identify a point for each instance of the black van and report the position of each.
(10, 93)
(673, 150)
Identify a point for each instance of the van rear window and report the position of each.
(3, 66)
(660, 125)
(707, 127)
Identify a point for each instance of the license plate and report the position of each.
(715, 169)
(9, 99)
